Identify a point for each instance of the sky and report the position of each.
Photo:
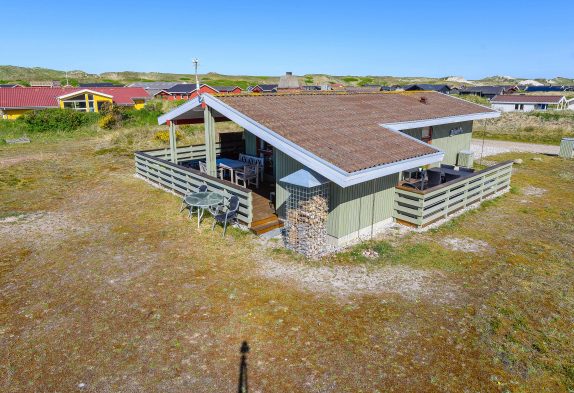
(473, 39)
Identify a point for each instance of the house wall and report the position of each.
(441, 139)
(353, 211)
(527, 107)
(139, 104)
(250, 143)
(12, 114)
(97, 99)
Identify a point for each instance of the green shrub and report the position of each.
(155, 106)
(350, 79)
(57, 120)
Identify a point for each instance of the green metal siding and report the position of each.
(351, 208)
(250, 143)
(451, 145)
(360, 206)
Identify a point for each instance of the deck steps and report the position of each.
(265, 225)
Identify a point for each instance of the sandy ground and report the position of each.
(492, 147)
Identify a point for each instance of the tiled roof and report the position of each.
(46, 97)
(521, 99)
(345, 129)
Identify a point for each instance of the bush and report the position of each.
(57, 120)
(155, 106)
(164, 135)
(107, 122)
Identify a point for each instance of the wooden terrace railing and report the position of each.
(153, 166)
(420, 208)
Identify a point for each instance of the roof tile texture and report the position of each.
(345, 129)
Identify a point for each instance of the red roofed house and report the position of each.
(527, 103)
(188, 91)
(17, 101)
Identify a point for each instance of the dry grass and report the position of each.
(534, 127)
(102, 283)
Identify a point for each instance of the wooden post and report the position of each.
(210, 154)
(172, 142)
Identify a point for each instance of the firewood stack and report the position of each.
(306, 226)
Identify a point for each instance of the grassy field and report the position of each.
(533, 127)
(105, 287)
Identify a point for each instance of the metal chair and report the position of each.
(229, 214)
(184, 205)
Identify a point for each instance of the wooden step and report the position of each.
(265, 225)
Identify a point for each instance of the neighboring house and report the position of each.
(153, 88)
(570, 104)
(544, 89)
(362, 89)
(45, 84)
(188, 91)
(445, 89)
(488, 92)
(9, 86)
(228, 89)
(527, 103)
(16, 102)
(99, 84)
(356, 145)
(310, 88)
(265, 88)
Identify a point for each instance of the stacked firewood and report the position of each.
(306, 229)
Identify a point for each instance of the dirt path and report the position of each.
(492, 147)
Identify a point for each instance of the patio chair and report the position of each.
(227, 215)
(203, 169)
(248, 175)
(446, 166)
(434, 178)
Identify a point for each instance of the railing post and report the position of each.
(172, 142)
(210, 153)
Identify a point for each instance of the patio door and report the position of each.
(265, 150)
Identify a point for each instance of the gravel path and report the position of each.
(496, 147)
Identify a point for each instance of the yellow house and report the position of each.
(85, 100)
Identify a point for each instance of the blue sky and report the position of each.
(473, 39)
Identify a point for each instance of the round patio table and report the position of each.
(202, 201)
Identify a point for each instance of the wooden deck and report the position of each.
(264, 217)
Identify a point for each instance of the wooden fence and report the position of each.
(152, 166)
(194, 152)
(421, 208)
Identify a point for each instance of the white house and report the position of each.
(527, 103)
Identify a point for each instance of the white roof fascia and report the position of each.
(308, 159)
(405, 125)
(178, 111)
(84, 91)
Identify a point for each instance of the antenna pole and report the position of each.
(67, 84)
(196, 64)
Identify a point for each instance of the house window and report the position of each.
(427, 134)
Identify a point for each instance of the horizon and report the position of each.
(254, 41)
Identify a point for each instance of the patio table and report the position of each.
(203, 200)
(230, 165)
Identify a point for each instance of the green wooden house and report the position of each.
(362, 143)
